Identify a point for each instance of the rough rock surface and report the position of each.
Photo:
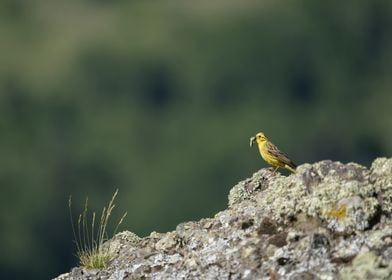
(328, 221)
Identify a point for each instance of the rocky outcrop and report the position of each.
(328, 221)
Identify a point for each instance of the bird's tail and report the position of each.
(291, 166)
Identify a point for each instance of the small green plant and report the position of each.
(90, 236)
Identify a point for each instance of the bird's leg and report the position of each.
(276, 168)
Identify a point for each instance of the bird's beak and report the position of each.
(252, 140)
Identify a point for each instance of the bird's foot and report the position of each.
(274, 170)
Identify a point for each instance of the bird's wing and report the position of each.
(278, 154)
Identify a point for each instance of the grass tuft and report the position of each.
(89, 236)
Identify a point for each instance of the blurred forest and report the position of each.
(159, 99)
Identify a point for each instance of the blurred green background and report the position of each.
(159, 99)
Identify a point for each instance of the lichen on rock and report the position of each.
(329, 220)
(367, 265)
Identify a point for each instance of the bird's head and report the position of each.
(258, 138)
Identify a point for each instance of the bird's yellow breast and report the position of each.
(267, 156)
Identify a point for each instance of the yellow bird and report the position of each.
(271, 154)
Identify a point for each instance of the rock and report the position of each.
(279, 239)
(267, 226)
(167, 242)
(367, 265)
(328, 221)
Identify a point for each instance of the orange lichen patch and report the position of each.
(272, 274)
(337, 212)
